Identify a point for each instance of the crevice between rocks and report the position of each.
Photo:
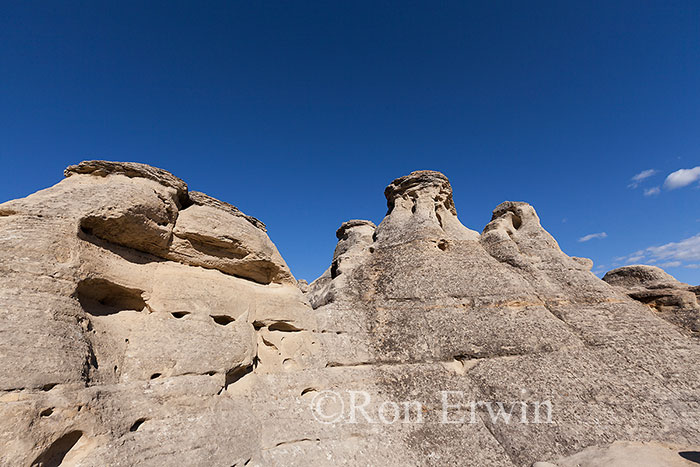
(53, 456)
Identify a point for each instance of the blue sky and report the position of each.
(300, 113)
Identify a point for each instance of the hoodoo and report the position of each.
(143, 324)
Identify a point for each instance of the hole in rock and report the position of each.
(442, 244)
(439, 217)
(335, 272)
(282, 326)
(137, 424)
(100, 297)
(155, 375)
(232, 376)
(308, 390)
(48, 387)
(222, 319)
(53, 456)
(268, 343)
(517, 221)
(692, 456)
(46, 412)
(92, 360)
(180, 314)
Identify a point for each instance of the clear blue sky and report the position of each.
(300, 113)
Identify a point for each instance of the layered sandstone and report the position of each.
(141, 324)
(129, 308)
(674, 301)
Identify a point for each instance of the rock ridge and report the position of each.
(132, 170)
(143, 324)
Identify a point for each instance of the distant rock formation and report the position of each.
(674, 301)
(143, 324)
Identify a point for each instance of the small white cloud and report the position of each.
(585, 238)
(671, 254)
(692, 266)
(640, 177)
(652, 191)
(681, 178)
(685, 250)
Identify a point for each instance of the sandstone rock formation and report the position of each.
(128, 307)
(141, 324)
(674, 301)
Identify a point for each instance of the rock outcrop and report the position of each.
(429, 305)
(128, 306)
(142, 324)
(674, 301)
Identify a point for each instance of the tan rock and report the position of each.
(119, 349)
(421, 206)
(131, 170)
(144, 325)
(509, 317)
(216, 239)
(672, 300)
(631, 454)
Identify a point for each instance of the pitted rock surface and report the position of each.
(674, 301)
(144, 325)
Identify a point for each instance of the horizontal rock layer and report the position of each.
(143, 324)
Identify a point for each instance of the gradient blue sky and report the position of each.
(300, 113)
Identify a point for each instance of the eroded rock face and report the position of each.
(129, 310)
(141, 324)
(431, 306)
(354, 240)
(674, 301)
(420, 206)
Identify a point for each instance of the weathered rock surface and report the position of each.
(128, 308)
(629, 454)
(674, 301)
(501, 316)
(142, 324)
